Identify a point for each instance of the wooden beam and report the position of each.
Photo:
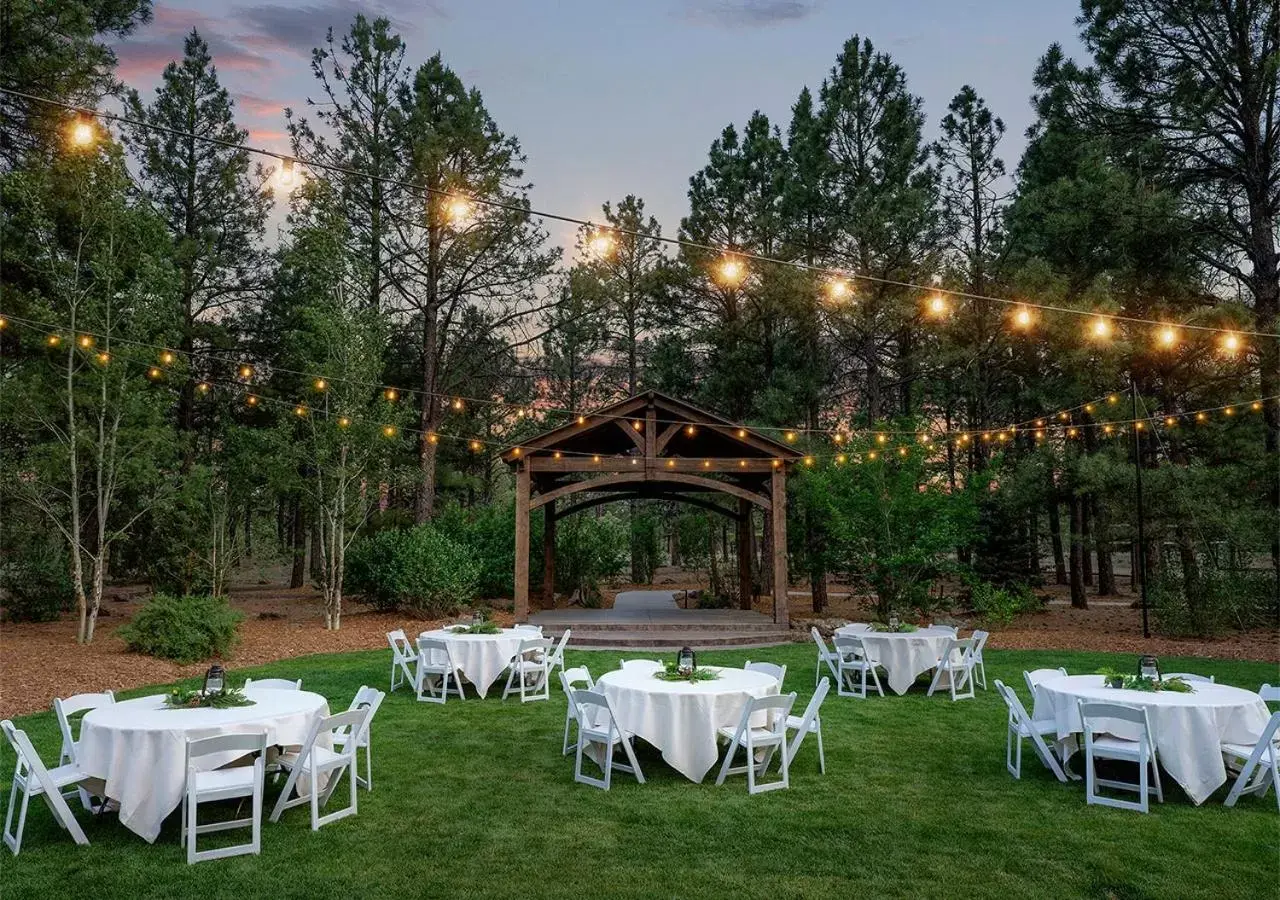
(549, 556)
(521, 598)
(618, 497)
(745, 593)
(778, 486)
(634, 463)
(606, 481)
(636, 438)
(650, 432)
(665, 438)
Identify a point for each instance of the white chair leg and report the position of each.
(822, 759)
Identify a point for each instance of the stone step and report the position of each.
(673, 640)
(762, 625)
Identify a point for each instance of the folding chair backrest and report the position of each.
(858, 627)
(435, 645)
(350, 722)
(959, 650)
(535, 645)
(559, 651)
(367, 698)
(400, 644)
(768, 668)
(776, 708)
(848, 645)
(535, 629)
(1188, 676)
(594, 710)
(1036, 676)
(1097, 718)
(273, 684)
(641, 665)
(817, 639)
(1017, 712)
(570, 678)
(64, 709)
(979, 641)
(951, 628)
(28, 759)
(815, 702)
(1269, 694)
(244, 741)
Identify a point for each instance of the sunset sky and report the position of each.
(622, 96)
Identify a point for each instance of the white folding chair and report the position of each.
(1097, 721)
(770, 737)
(1260, 764)
(229, 783)
(1188, 676)
(402, 657)
(556, 658)
(435, 661)
(34, 780)
(951, 628)
(957, 664)
(273, 684)
(810, 723)
(778, 672)
(598, 725)
(371, 698)
(1022, 726)
(639, 665)
(529, 671)
(318, 763)
(1269, 694)
(980, 667)
(1036, 676)
(569, 680)
(851, 660)
(829, 657)
(525, 626)
(855, 628)
(64, 709)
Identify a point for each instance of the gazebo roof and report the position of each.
(682, 431)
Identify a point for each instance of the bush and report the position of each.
(1000, 605)
(708, 600)
(1218, 601)
(37, 584)
(185, 629)
(589, 549)
(420, 568)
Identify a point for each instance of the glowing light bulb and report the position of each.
(1170, 421)
(4, 323)
(104, 358)
(286, 176)
(83, 132)
(251, 400)
(582, 420)
(791, 437)
(808, 460)
(433, 438)
(1167, 336)
(246, 371)
(85, 341)
(742, 432)
(881, 438)
(1256, 406)
(475, 446)
(839, 289)
(458, 209)
(742, 464)
(776, 463)
(1112, 398)
(871, 454)
(1072, 432)
(1023, 318)
(457, 404)
(299, 411)
(1100, 328)
(321, 384)
(53, 340)
(1231, 343)
(938, 306)
(343, 421)
(1202, 417)
(638, 425)
(602, 243)
(391, 395)
(690, 430)
(388, 431)
(203, 387)
(167, 357)
(732, 271)
(840, 458)
(153, 372)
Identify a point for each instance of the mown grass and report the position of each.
(475, 800)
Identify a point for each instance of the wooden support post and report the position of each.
(745, 593)
(522, 543)
(549, 555)
(778, 484)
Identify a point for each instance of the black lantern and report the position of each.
(214, 680)
(686, 661)
(476, 617)
(1149, 667)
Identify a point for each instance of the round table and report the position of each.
(681, 718)
(1188, 729)
(138, 747)
(481, 658)
(904, 655)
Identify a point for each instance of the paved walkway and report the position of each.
(647, 601)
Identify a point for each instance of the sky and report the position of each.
(611, 97)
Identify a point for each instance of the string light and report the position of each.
(839, 289)
(83, 132)
(938, 306)
(457, 404)
(1167, 336)
(1113, 398)
(321, 384)
(286, 177)
(53, 340)
(777, 463)
(299, 411)
(458, 209)
(85, 341)
(582, 420)
(475, 446)
(742, 432)
(104, 358)
(433, 438)
(389, 431)
(1022, 317)
(252, 400)
(391, 395)
(1230, 343)
(1100, 328)
(343, 421)
(871, 455)
(153, 372)
(602, 243)
(731, 270)
(637, 425)
(203, 387)
(690, 430)
(246, 372)
(791, 437)
(4, 323)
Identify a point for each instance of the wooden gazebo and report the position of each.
(651, 446)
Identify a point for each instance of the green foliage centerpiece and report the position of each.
(1124, 681)
(216, 693)
(685, 668)
(480, 624)
(893, 627)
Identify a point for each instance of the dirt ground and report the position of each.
(41, 661)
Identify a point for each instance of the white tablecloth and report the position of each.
(481, 658)
(138, 747)
(903, 654)
(1188, 729)
(680, 718)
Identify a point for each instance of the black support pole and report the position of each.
(1139, 562)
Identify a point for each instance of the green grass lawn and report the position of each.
(474, 799)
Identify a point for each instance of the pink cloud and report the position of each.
(261, 107)
(144, 60)
(267, 136)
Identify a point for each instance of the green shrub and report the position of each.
(1001, 605)
(421, 569)
(709, 600)
(37, 584)
(185, 629)
(589, 549)
(1216, 602)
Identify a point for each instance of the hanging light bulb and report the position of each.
(433, 438)
(389, 431)
(871, 454)
(1113, 398)
(839, 289)
(154, 373)
(299, 411)
(1023, 317)
(1230, 343)
(457, 404)
(53, 340)
(203, 387)
(104, 358)
(343, 421)
(601, 243)
(742, 432)
(246, 372)
(85, 341)
(83, 132)
(791, 437)
(938, 307)
(582, 420)
(458, 209)
(690, 430)
(391, 395)
(1167, 336)
(286, 176)
(475, 446)
(321, 384)
(1256, 406)
(252, 400)
(4, 323)
(731, 270)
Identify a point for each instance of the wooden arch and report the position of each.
(652, 446)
